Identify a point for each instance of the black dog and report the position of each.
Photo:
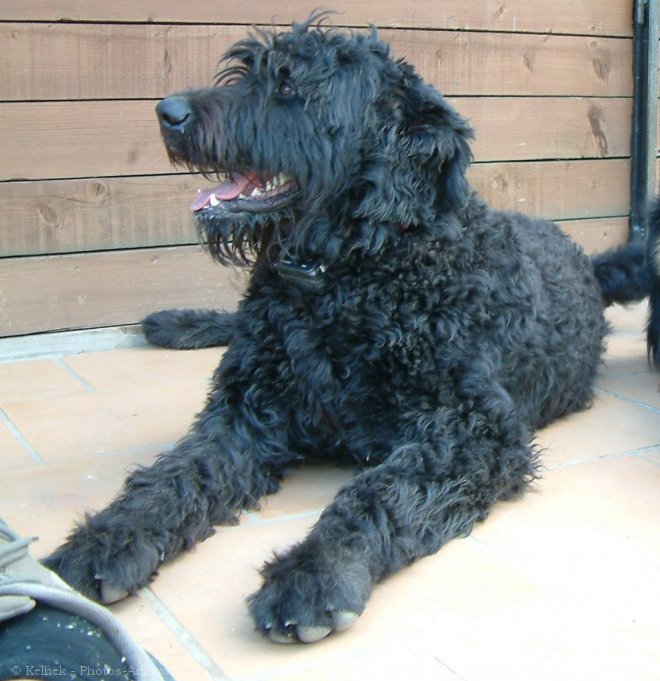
(653, 260)
(392, 320)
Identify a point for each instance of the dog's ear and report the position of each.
(432, 136)
(415, 168)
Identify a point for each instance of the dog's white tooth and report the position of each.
(269, 186)
(213, 200)
(256, 192)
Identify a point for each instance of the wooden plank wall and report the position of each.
(95, 227)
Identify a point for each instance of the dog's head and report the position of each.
(322, 144)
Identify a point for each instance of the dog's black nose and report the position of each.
(173, 112)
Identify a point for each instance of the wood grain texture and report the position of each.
(475, 63)
(91, 61)
(66, 216)
(107, 289)
(597, 235)
(559, 190)
(80, 139)
(104, 139)
(588, 17)
(120, 287)
(536, 128)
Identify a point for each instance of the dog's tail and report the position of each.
(623, 273)
(189, 329)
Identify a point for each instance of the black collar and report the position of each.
(307, 275)
(313, 276)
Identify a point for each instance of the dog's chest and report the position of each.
(358, 348)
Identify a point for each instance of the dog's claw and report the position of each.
(109, 593)
(344, 619)
(277, 637)
(312, 634)
(341, 620)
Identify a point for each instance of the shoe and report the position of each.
(49, 631)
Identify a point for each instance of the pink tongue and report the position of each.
(225, 191)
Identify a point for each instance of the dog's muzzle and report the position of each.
(174, 113)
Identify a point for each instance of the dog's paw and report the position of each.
(303, 602)
(103, 566)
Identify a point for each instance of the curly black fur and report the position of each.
(653, 259)
(392, 319)
(189, 329)
(623, 274)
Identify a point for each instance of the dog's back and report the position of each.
(552, 372)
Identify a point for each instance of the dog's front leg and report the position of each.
(387, 517)
(206, 479)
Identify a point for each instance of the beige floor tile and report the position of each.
(610, 426)
(629, 346)
(311, 488)
(624, 357)
(626, 344)
(589, 538)
(38, 379)
(45, 500)
(11, 452)
(107, 421)
(641, 387)
(560, 582)
(107, 370)
(628, 319)
(154, 635)
(226, 567)
(473, 609)
(465, 608)
(652, 454)
(394, 663)
(221, 624)
(553, 634)
(589, 529)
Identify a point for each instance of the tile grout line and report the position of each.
(625, 398)
(648, 459)
(19, 437)
(57, 359)
(183, 635)
(639, 452)
(448, 668)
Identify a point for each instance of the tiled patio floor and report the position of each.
(563, 585)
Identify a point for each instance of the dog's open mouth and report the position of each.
(252, 192)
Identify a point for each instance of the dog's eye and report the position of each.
(286, 89)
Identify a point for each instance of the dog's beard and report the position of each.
(245, 215)
(241, 237)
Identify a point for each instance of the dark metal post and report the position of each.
(645, 105)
